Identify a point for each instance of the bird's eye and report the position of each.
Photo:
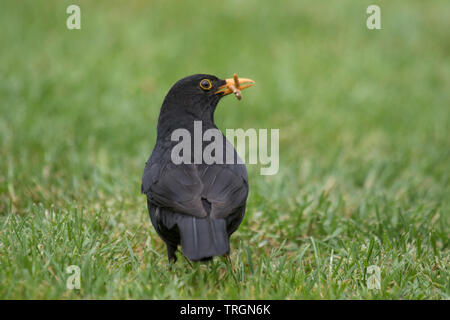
(206, 84)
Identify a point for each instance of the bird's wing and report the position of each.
(225, 187)
(177, 187)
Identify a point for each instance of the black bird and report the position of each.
(197, 205)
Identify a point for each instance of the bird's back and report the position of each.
(199, 205)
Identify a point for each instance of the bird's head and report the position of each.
(199, 94)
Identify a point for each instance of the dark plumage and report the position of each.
(196, 205)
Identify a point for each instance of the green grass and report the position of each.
(364, 119)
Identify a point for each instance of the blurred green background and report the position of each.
(364, 125)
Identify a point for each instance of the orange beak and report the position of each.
(235, 85)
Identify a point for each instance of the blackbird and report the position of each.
(195, 204)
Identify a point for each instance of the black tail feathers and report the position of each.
(203, 238)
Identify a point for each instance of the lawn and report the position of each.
(364, 122)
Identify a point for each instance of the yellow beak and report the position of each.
(235, 85)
